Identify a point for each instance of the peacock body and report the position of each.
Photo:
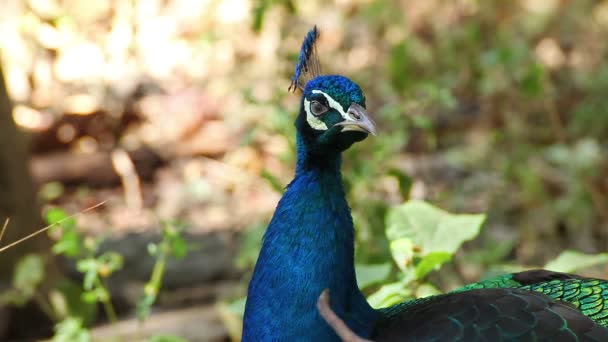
(309, 247)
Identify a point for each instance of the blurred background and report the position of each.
(174, 115)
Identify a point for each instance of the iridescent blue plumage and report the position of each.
(309, 243)
(339, 88)
(308, 64)
(309, 247)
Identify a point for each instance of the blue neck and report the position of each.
(308, 246)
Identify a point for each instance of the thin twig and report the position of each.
(49, 226)
(4, 228)
(336, 322)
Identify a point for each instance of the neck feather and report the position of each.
(308, 246)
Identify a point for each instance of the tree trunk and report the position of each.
(17, 201)
(17, 193)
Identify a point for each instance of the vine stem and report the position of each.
(107, 305)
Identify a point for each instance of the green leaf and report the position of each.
(368, 274)
(179, 247)
(403, 252)
(388, 295)
(431, 262)
(51, 191)
(59, 216)
(89, 268)
(69, 244)
(71, 330)
(28, 274)
(570, 261)
(174, 241)
(98, 294)
(108, 263)
(426, 290)
(152, 249)
(431, 229)
(66, 300)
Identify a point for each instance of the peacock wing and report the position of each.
(588, 295)
(506, 314)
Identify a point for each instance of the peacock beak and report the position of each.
(357, 119)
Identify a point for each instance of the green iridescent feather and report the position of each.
(590, 296)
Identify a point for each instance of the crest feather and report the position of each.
(308, 66)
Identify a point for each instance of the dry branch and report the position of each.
(343, 331)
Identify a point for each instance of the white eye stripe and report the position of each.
(334, 104)
(312, 120)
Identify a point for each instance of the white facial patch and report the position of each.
(315, 122)
(312, 120)
(335, 105)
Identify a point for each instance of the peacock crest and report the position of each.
(308, 66)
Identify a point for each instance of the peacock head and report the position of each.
(332, 112)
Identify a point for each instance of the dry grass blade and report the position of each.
(4, 228)
(45, 228)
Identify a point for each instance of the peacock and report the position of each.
(308, 249)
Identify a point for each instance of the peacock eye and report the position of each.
(317, 108)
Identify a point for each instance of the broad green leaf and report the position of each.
(426, 290)
(431, 262)
(368, 274)
(570, 261)
(431, 229)
(28, 274)
(403, 252)
(388, 295)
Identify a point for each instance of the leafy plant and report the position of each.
(97, 268)
(171, 245)
(571, 261)
(72, 306)
(71, 329)
(422, 238)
